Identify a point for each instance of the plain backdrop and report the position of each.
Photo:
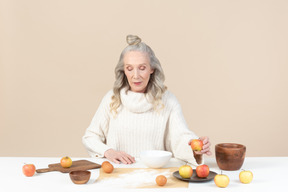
(226, 61)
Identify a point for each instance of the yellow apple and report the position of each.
(66, 162)
(245, 176)
(221, 180)
(185, 171)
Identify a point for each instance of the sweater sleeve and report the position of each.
(179, 135)
(94, 138)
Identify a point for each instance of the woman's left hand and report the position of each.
(205, 148)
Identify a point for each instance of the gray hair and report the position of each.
(155, 87)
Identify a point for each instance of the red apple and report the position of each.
(28, 170)
(202, 171)
(66, 162)
(196, 145)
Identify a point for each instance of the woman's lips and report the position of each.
(137, 83)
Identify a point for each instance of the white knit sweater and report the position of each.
(137, 127)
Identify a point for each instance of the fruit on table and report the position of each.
(202, 171)
(107, 167)
(28, 170)
(185, 171)
(66, 162)
(221, 180)
(245, 176)
(196, 145)
(105, 162)
(161, 180)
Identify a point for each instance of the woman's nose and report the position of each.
(136, 73)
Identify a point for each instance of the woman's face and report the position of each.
(137, 70)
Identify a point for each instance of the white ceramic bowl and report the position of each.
(155, 158)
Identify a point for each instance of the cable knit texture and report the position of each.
(137, 127)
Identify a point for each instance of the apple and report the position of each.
(202, 171)
(28, 170)
(66, 162)
(196, 145)
(221, 180)
(185, 171)
(245, 176)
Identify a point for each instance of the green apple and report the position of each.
(185, 171)
(245, 176)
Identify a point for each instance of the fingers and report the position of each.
(132, 159)
(206, 146)
(206, 151)
(126, 159)
(119, 157)
(115, 161)
(204, 139)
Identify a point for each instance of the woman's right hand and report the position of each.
(119, 157)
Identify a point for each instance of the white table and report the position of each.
(270, 174)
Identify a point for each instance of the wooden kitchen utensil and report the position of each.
(80, 165)
(230, 156)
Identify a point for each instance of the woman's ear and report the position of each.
(152, 71)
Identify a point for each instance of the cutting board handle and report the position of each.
(44, 170)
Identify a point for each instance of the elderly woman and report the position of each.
(140, 113)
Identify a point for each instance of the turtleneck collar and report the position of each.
(135, 102)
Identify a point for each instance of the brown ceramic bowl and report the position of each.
(80, 177)
(230, 156)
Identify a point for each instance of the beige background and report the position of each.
(226, 61)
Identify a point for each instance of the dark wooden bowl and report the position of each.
(80, 177)
(230, 156)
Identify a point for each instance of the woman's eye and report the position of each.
(129, 68)
(142, 68)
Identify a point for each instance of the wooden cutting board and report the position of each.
(76, 165)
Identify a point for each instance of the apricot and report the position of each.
(107, 167)
(161, 180)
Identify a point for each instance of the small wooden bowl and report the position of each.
(230, 156)
(80, 177)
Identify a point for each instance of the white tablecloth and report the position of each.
(270, 174)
